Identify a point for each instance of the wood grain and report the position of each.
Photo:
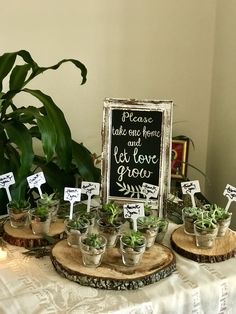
(158, 262)
(24, 237)
(184, 244)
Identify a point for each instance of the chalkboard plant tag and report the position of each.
(230, 193)
(90, 189)
(133, 212)
(136, 138)
(72, 195)
(36, 180)
(190, 188)
(149, 190)
(6, 180)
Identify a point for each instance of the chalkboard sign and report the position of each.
(136, 148)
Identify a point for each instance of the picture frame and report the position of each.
(136, 148)
(179, 158)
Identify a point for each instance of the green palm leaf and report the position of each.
(84, 162)
(63, 147)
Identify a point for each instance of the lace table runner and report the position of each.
(32, 286)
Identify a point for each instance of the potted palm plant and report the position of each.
(110, 222)
(20, 126)
(18, 212)
(92, 246)
(132, 246)
(74, 228)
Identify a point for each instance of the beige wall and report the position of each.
(155, 49)
(221, 163)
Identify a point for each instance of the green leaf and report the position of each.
(84, 162)
(18, 75)
(20, 136)
(7, 61)
(77, 63)
(52, 172)
(45, 127)
(57, 119)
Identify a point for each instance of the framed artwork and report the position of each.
(179, 158)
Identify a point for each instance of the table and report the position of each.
(31, 286)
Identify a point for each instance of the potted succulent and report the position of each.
(110, 222)
(222, 217)
(189, 216)
(18, 212)
(52, 201)
(147, 209)
(40, 219)
(63, 160)
(162, 229)
(74, 228)
(132, 246)
(205, 230)
(92, 246)
(148, 226)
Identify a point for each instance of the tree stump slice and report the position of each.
(185, 245)
(24, 237)
(157, 263)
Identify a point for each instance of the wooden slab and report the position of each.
(24, 237)
(184, 244)
(157, 263)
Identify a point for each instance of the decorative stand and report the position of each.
(25, 238)
(157, 263)
(184, 244)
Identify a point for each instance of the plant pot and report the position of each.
(188, 223)
(19, 218)
(132, 256)
(53, 207)
(92, 257)
(223, 225)
(162, 232)
(40, 225)
(205, 238)
(110, 231)
(74, 232)
(150, 235)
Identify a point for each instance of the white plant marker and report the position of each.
(191, 187)
(230, 193)
(134, 211)
(6, 180)
(149, 190)
(72, 195)
(36, 180)
(89, 188)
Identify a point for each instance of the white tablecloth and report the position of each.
(32, 286)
